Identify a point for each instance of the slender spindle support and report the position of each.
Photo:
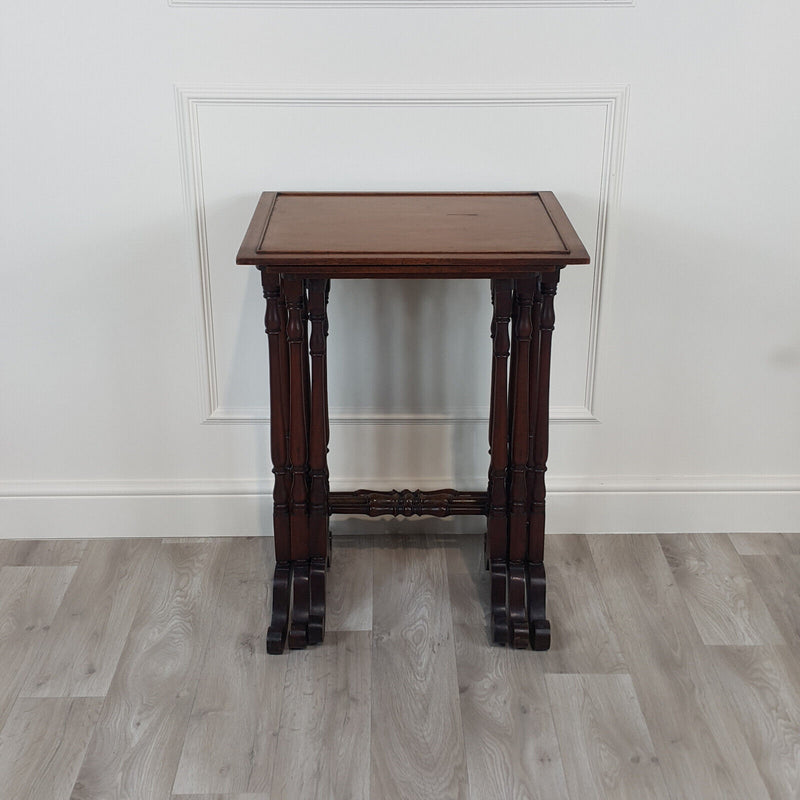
(296, 337)
(275, 325)
(517, 483)
(317, 462)
(539, 625)
(497, 516)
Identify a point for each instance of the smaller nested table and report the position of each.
(300, 242)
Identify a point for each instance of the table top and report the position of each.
(370, 235)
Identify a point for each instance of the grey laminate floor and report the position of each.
(136, 669)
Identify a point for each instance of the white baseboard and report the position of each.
(606, 504)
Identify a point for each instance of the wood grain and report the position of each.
(323, 742)
(600, 724)
(427, 709)
(41, 552)
(777, 579)
(763, 685)
(231, 737)
(584, 638)
(81, 649)
(240, 796)
(766, 544)
(137, 741)
(410, 234)
(723, 602)
(696, 736)
(463, 554)
(29, 600)
(349, 584)
(510, 741)
(417, 741)
(42, 745)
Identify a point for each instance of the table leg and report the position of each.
(539, 625)
(518, 503)
(497, 516)
(317, 461)
(296, 337)
(275, 324)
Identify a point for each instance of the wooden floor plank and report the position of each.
(763, 684)
(721, 597)
(137, 741)
(42, 745)
(766, 544)
(349, 585)
(600, 724)
(81, 649)
(417, 739)
(511, 745)
(41, 552)
(463, 554)
(583, 638)
(29, 600)
(702, 751)
(246, 796)
(324, 737)
(777, 579)
(231, 737)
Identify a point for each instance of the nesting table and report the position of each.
(300, 242)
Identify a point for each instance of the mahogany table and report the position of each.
(300, 242)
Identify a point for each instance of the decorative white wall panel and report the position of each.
(403, 3)
(411, 350)
(124, 331)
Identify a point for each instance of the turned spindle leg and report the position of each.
(275, 324)
(317, 462)
(517, 484)
(296, 337)
(497, 514)
(539, 625)
(327, 416)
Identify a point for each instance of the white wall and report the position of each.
(136, 138)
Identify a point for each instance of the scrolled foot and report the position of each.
(540, 634)
(537, 590)
(499, 601)
(281, 585)
(316, 612)
(298, 632)
(517, 613)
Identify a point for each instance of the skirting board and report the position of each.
(243, 508)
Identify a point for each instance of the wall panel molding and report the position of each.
(189, 99)
(402, 3)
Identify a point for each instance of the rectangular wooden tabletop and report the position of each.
(363, 235)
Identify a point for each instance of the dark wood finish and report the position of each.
(275, 324)
(317, 461)
(520, 357)
(407, 503)
(366, 235)
(541, 441)
(537, 589)
(497, 515)
(539, 625)
(298, 447)
(301, 601)
(518, 502)
(520, 240)
(281, 599)
(517, 612)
